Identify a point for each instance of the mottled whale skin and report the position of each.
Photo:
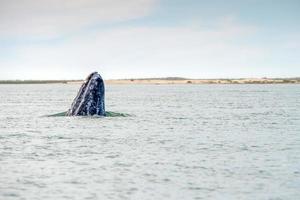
(90, 99)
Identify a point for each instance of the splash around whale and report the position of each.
(90, 100)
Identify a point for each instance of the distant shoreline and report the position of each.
(206, 81)
(164, 81)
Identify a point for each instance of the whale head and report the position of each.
(90, 98)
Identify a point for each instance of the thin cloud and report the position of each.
(51, 18)
(144, 51)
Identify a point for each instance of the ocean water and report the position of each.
(180, 142)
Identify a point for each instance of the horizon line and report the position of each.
(159, 78)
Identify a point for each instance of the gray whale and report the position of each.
(90, 98)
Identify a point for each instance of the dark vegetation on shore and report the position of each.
(37, 81)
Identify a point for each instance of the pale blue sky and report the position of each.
(62, 39)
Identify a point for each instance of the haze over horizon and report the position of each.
(62, 39)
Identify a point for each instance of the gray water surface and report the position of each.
(180, 142)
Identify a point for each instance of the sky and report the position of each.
(68, 39)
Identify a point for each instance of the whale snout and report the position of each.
(90, 99)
